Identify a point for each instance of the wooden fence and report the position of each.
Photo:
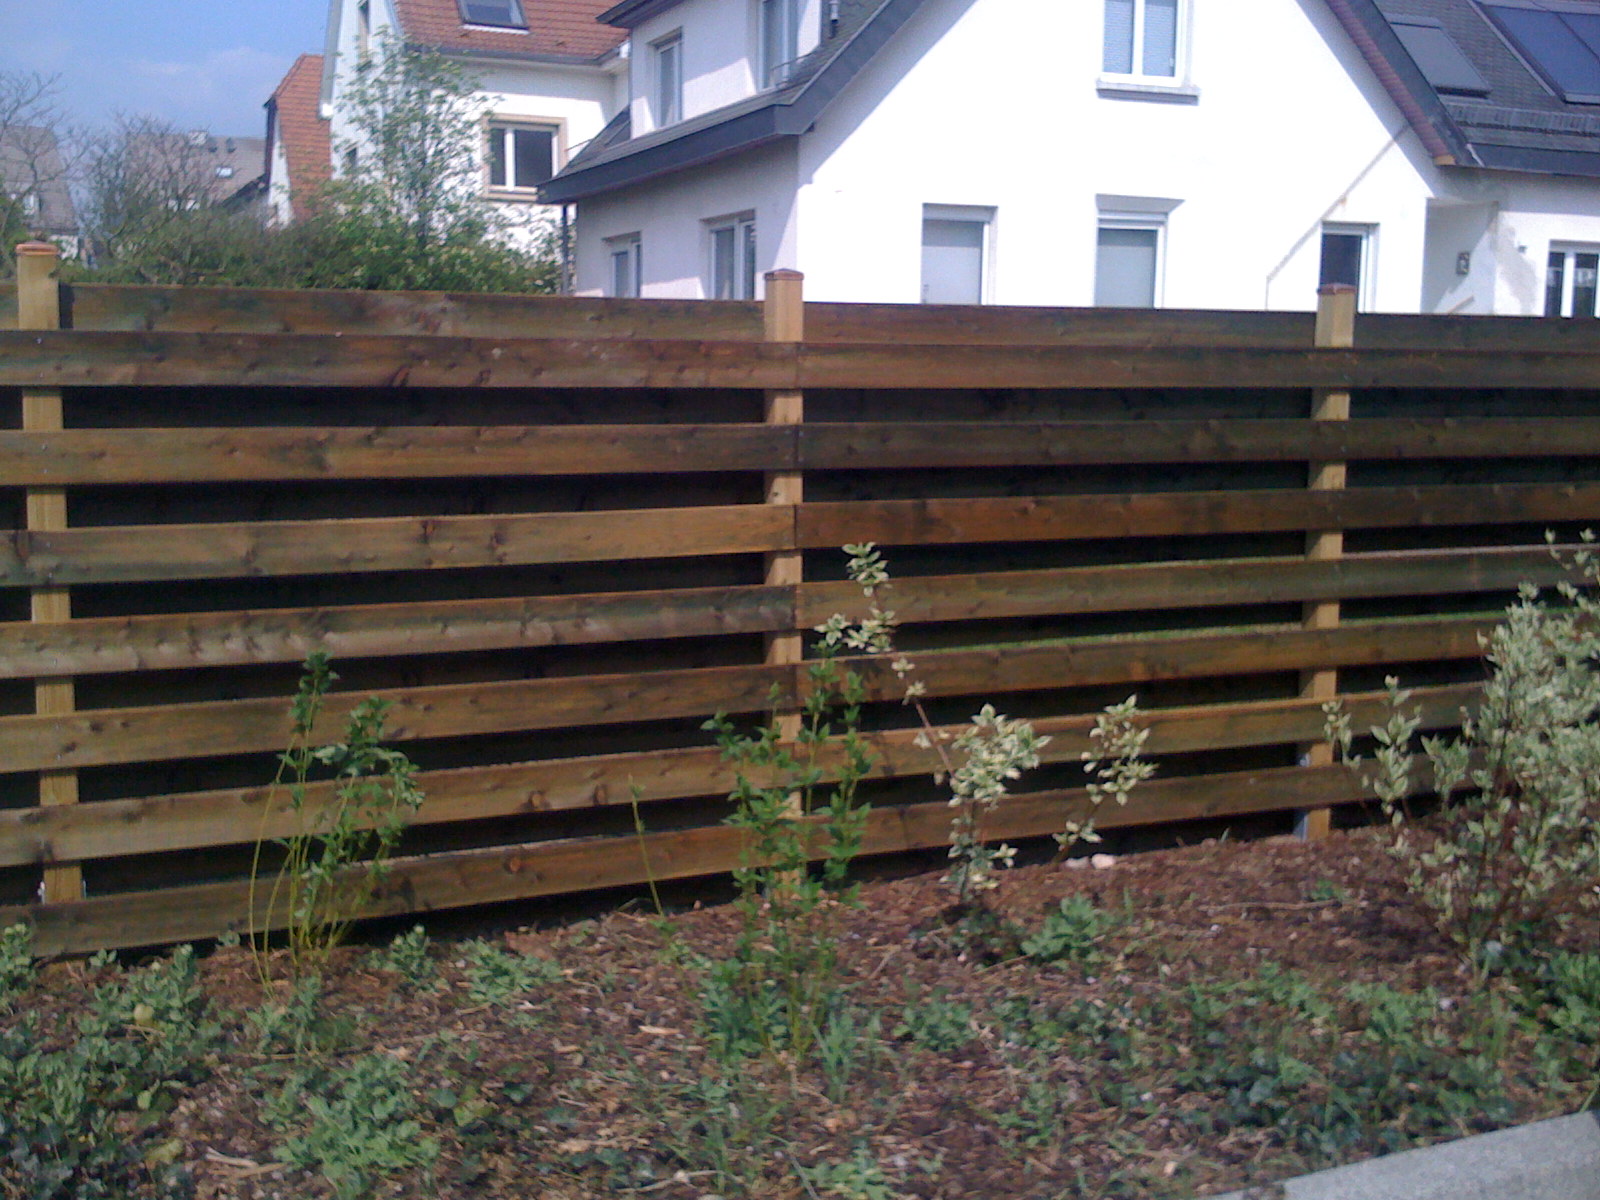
(558, 534)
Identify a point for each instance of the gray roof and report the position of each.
(1507, 119)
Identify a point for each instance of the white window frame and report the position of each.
(625, 276)
(1152, 222)
(666, 84)
(1568, 252)
(744, 275)
(1137, 84)
(773, 67)
(1366, 288)
(506, 130)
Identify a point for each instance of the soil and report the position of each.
(595, 1085)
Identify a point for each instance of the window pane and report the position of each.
(535, 155)
(669, 82)
(1125, 268)
(497, 158)
(1585, 268)
(1556, 48)
(491, 12)
(1161, 37)
(1554, 281)
(780, 38)
(1341, 258)
(747, 281)
(1119, 37)
(952, 261)
(723, 262)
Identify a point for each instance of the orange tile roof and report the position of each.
(307, 144)
(560, 28)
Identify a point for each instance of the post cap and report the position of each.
(1336, 289)
(37, 248)
(783, 273)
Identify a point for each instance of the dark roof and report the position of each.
(1504, 117)
(556, 30)
(615, 157)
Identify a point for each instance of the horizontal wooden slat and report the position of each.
(214, 551)
(159, 733)
(1006, 325)
(94, 646)
(171, 456)
(522, 872)
(1025, 443)
(158, 824)
(1202, 584)
(1050, 518)
(92, 360)
(174, 731)
(146, 308)
(78, 359)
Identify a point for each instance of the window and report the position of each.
(1346, 255)
(1127, 261)
(627, 277)
(1438, 57)
(1571, 281)
(733, 258)
(668, 93)
(493, 12)
(1142, 39)
(521, 156)
(1561, 41)
(955, 243)
(780, 39)
(224, 172)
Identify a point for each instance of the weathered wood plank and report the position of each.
(213, 639)
(165, 732)
(525, 871)
(154, 308)
(1201, 584)
(1028, 443)
(171, 456)
(214, 551)
(161, 733)
(1050, 518)
(92, 360)
(1008, 325)
(158, 824)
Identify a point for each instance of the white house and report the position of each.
(551, 76)
(1441, 155)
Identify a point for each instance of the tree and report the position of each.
(33, 183)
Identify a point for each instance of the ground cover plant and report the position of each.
(1183, 1022)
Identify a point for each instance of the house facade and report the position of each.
(550, 78)
(1437, 154)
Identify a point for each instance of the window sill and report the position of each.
(1160, 93)
(522, 195)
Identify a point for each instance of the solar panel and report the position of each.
(1562, 45)
(1439, 58)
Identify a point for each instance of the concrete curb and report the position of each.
(1557, 1159)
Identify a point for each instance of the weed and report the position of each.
(338, 856)
(937, 1022)
(16, 962)
(1073, 933)
(300, 1026)
(356, 1127)
(495, 975)
(407, 956)
(858, 1177)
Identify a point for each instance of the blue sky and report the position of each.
(198, 65)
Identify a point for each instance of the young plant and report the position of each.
(1114, 765)
(338, 855)
(1515, 850)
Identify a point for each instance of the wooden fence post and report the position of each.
(39, 307)
(1335, 329)
(783, 314)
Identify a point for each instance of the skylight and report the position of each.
(1439, 58)
(493, 12)
(1559, 41)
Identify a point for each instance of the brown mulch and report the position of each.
(557, 1097)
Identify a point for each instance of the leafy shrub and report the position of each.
(16, 962)
(1072, 933)
(494, 975)
(1515, 849)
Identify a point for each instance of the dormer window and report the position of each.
(780, 39)
(503, 13)
(668, 91)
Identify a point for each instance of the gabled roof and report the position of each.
(557, 31)
(615, 157)
(1497, 113)
(295, 122)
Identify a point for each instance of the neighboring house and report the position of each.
(1440, 155)
(33, 187)
(551, 77)
(200, 169)
(299, 153)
